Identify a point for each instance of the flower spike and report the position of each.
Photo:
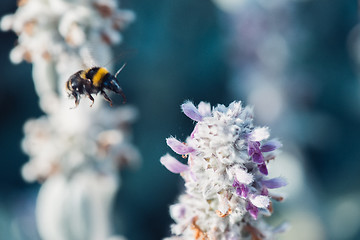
(227, 191)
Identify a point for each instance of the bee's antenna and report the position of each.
(120, 70)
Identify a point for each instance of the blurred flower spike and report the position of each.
(227, 188)
(76, 154)
(47, 29)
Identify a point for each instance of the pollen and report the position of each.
(21, 3)
(277, 198)
(29, 27)
(104, 10)
(254, 232)
(222, 215)
(198, 233)
(270, 207)
(184, 155)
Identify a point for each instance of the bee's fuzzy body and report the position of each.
(92, 81)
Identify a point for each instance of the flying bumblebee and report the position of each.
(92, 81)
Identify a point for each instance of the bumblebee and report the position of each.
(92, 81)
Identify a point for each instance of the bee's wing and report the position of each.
(95, 54)
(124, 54)
(88, 57)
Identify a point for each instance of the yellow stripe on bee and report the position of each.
(98, 76)
(83, 74)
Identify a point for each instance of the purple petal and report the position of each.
(263, 169)
(238, 191)
(242, 191)
(271, 145)
(173, 165)
(253, 147)
(264, 191)
(274, 183)
(252, 210)
(191, 111)
(258, 157)
(236, 184)
(245, 190)
(178, 147)
(251, 151)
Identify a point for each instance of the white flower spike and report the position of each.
(227, 190)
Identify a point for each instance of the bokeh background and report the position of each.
(295, 62)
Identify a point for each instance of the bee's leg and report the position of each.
(91, 98)
(77, 99)
(122, 95)
(87, 90)
(106, 97)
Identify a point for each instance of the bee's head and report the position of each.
(74, 88)
(75, 84)
(68, 86)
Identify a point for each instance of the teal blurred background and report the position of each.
(181, 50)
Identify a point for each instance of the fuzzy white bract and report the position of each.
(75, 153)
(227, 189)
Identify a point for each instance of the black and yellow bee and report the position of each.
(92, 81)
